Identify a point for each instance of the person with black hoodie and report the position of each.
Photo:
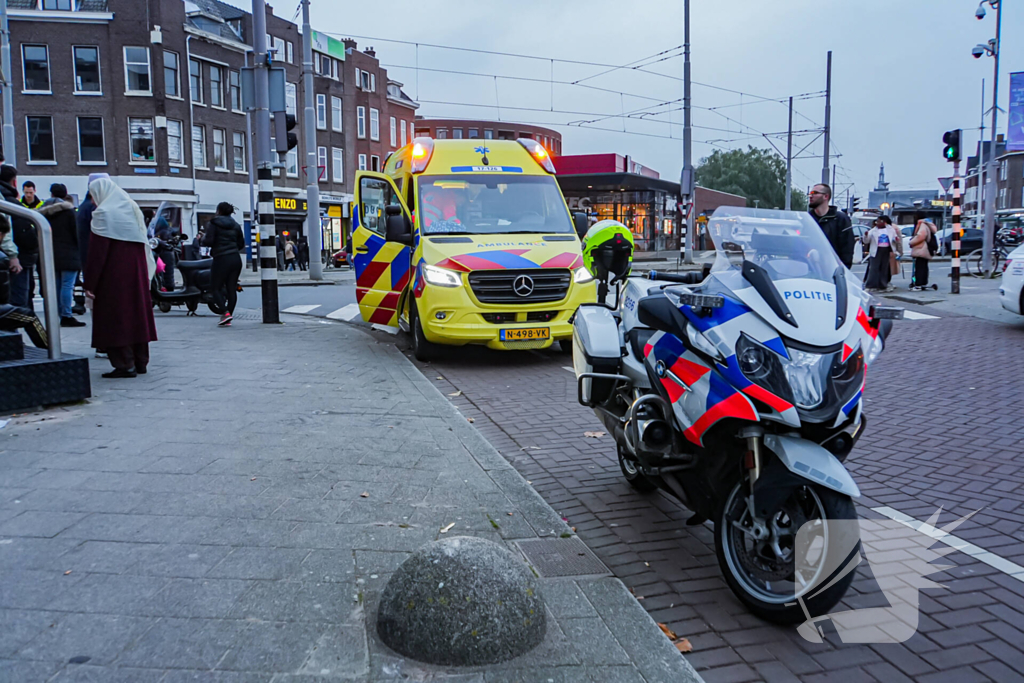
(25, 239)
(66, 263)
(836, 225)
(224, 237)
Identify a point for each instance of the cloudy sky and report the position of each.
(902, 73)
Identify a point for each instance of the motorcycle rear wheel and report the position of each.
(747, 570)
(164, 307)
(633, 475)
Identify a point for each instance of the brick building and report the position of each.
(150, 92)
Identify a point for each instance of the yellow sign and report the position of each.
(288, 204)
(334, 211)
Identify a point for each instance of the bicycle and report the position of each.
(975, 260)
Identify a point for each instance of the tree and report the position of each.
(757, 174)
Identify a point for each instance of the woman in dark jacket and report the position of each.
(66, 259)
(224, 237)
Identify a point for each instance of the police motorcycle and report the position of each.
(739, 392)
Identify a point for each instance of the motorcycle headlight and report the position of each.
(441, 277)
(763, 367)
(808, 377)
(582, 276)
(753, 362)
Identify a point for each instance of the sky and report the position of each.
(902, 74)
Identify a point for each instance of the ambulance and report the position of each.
(469, 242)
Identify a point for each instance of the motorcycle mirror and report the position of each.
(886, 312)
(701, 300)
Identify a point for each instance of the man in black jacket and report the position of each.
(66, 262)
(25, 238)
(836, 225)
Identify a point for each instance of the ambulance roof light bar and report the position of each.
(422, 150)
(539, 154)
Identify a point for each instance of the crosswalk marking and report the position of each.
(345, 313)
(914, 315)
(304, 308)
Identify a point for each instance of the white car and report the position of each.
(1011, 290)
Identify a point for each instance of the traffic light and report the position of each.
(285, 139)
(855, 204)
(952, 141)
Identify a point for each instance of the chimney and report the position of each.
(370, 52)
(349, 44)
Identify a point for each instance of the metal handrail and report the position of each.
(47, 277)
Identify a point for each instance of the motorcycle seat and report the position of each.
(202, 264)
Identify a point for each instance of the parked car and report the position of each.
(969, 242)
(1011, 289)
(339, 258)
(860, 232)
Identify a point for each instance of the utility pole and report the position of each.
(313, 225)
(828, 118)
(254, 230)
(954, 273)
(687, 183)
(264, 165)
(10, 152)
(789, 160)
(979, 203)
(988, 237)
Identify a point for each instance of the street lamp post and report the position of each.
(991, 49)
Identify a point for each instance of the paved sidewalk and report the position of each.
(300, 278)
(234, 514)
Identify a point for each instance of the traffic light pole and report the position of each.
(957, 231)
(264, 166)
(687, 184)
(314, 227)
(8, 97)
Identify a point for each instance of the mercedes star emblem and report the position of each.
(523, 285)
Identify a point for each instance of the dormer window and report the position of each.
(64, 5)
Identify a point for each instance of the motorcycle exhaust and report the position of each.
(655, 435)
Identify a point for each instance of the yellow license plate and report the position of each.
(526, 334)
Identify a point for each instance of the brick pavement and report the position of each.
(944, 405)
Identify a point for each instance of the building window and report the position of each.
(140, 139)
(442, 134)
(321, 162)
(195, 81)
(136, 70)
(279, 49)
(238, 151)
(474, 133)
(199, 146)
(1002, 170)
(375, 163)
(321, 112)
(364, 79)
(90, 140)
(324, 64)
(87, 69)
(292, 161)
(337, 158)
(235, 90)
(336, 116)
(361, 122)
(216, 89)
(40, 139)
(220, 149)
(362, 162)
(64, 5)
(374, 124)
(172, 74)
(456, 133)
(394, 132)
(290, 56)
(175, 144)
(35, 67)
(291, 99)
(405, 139)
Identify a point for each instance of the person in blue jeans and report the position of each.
(66, 262)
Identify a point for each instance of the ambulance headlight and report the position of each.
(582, 276)
(441, 277)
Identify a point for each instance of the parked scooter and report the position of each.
(740, 393)
(197, 276)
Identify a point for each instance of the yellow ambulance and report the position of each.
(469, 242)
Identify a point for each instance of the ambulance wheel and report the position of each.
(565, 345)
(423, 350)
(633, 475)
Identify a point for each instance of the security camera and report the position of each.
(978, 51)
(981, 12)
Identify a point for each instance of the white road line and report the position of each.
(304, 308)
(1014, 570)
(384, 328)
(345, 313)
(914, 315)
(569, 368)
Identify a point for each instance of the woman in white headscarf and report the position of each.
(118, 271)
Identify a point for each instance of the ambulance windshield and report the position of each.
(489, 204)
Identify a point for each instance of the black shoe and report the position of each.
(119, 374)
(141, 371)
(71, 322)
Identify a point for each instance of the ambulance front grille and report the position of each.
(498, 286)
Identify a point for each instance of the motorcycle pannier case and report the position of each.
(596, 348)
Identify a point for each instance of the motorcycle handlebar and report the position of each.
(681, 278)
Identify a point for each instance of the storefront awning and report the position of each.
(614, 182)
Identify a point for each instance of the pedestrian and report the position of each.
(289, 255)
(66, 262)
(29, 199)
(303, 253)
(279, 242)
(921, 250)
(117, 277)
(166, 243)
(196, 248)
(225, 239)
(882, 241)
(8, 254)
(84, 219)
(836, 225)
(23, 231)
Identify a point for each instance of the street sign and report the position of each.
(946, 183)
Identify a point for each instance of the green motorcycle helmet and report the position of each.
(608, 251)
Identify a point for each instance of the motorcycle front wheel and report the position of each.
(760, 558)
